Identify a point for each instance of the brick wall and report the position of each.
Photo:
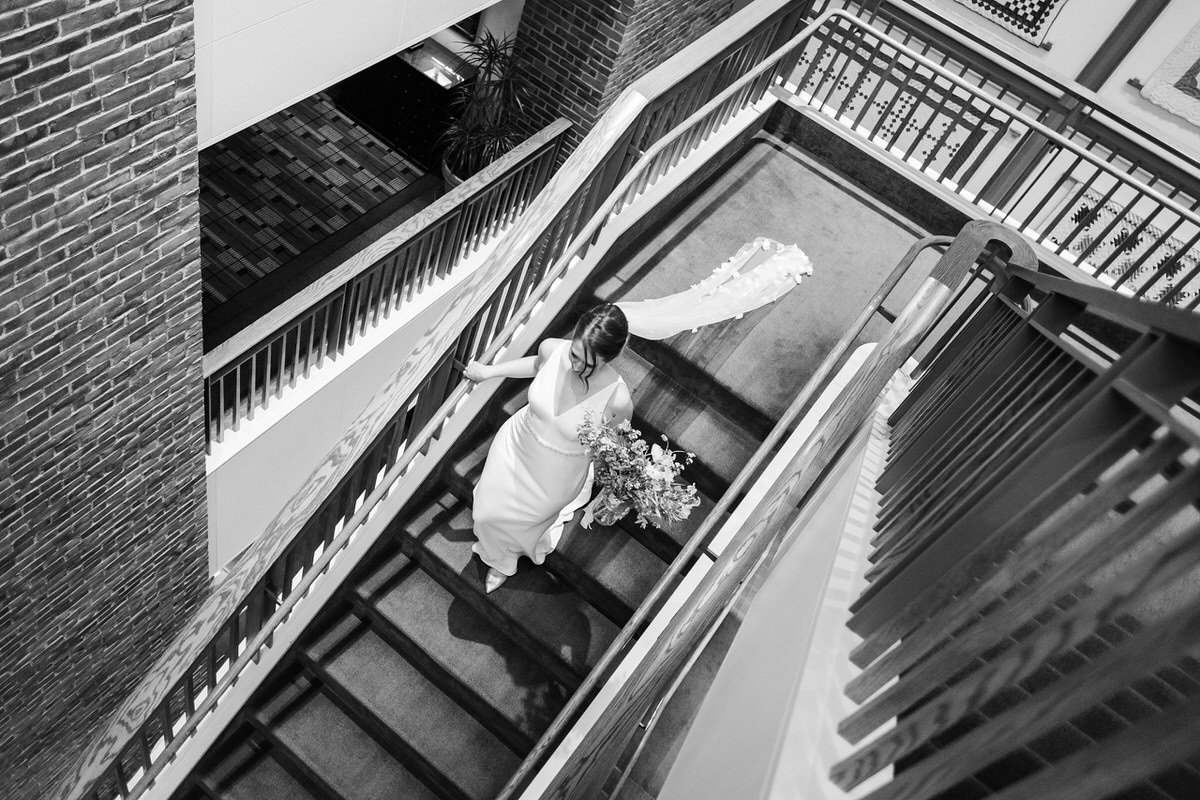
(657, 29)
(102, 532)
(579, 56)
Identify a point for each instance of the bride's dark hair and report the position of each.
(603, 331)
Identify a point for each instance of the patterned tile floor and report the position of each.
(273, 190)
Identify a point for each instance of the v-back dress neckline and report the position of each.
(560, 376)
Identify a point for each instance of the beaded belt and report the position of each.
(525, 420)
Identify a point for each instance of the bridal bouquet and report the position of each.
(634, 476)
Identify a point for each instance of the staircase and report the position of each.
(415, 682)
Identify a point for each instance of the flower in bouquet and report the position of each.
(634, 475)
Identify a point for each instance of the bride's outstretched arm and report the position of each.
(517, 368)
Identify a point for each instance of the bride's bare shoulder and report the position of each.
(547, 348)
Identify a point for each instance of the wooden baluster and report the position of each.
(143, 759)
(994, 569)
(959, 352)
(247, 372)
(374, 298)
(1114, 536)
(1138, 580)
(505, 194)
(189, 692)
(353, 312)
(389, 301)
(1148, 650)
(338, 308)
(949, 444)
(1090, 414)
(979, 383)
(120, 778)
(238, 633)
(983, 460)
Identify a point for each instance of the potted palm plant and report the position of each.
(488, 110)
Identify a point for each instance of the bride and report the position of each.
(537, 474)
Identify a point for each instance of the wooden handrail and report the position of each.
(1175, 321)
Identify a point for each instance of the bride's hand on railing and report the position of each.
(476, 372)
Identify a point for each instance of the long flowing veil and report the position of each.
(760, 272)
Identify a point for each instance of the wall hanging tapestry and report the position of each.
(1175, 85)
(1029, 19)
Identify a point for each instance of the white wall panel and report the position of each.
(422, 19)
(257, 58)
(1164, 36)
(204, 126)
(203, 11)
(233, 16)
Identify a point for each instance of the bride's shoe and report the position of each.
(493, 580)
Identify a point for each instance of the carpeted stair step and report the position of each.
(264, 779)
(691, 423)
(470, 659)
(383, 576)
(609, 568)
(435, 737)
(232, 764)
(342, 757)
(542, 614)
(288, 693)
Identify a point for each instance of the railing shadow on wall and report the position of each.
(382, 453)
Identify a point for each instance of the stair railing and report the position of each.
(253, 368)
(384, 449)
(1035, 552)
(1119, 206)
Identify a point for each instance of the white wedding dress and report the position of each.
(536, 474)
